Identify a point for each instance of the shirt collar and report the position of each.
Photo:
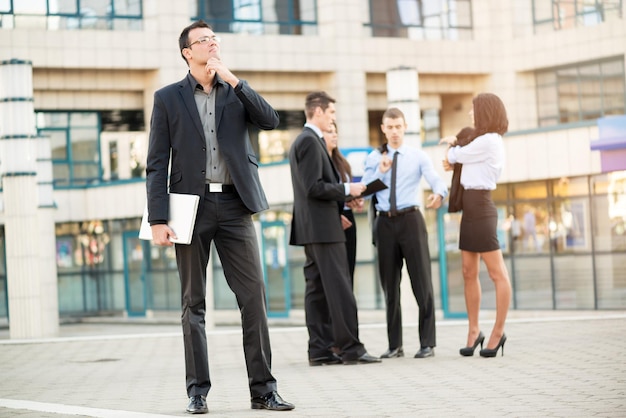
(393, 151)
(314, 128)
(194, 83)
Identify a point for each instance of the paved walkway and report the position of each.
(555, 365)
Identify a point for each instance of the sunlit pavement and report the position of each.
(555, 364)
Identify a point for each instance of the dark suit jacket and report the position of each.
(175, 126)
(316, 191)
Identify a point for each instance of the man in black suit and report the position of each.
(202, 122)
(319, 195)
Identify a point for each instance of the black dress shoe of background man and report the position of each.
(425, 352)
(364, 359)
(393, 352)
(330, 358)
(197, 405)
(271, 401)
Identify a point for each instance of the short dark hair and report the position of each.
(183, 40)
(489, 114)
(393, 113)
(314, 100)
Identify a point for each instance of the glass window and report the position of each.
(533, 283)
(65, 6)
(274, 145)
(127, 7)
(421, 19)
(58, 142)
(566, 186)
(74, 141)
(573, 279)
(5, 6)
(530, 190)
(581, 92)
(609, 210)
(611, 280)
(530, 228)
(292, 17)
(570, 226)
(73, 14)
(30, 7)
(563, 14)
(431, 131)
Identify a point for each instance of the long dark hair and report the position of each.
(341, 164)
(489, 114)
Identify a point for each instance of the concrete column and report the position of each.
(403, 93)
(29, 225)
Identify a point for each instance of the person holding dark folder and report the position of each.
(199, 126)
(400, 230)
(319, 194)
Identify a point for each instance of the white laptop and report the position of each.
(183, 210)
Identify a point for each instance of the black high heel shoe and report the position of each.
(491, 352)
(469, 351)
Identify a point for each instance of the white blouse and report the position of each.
(482, 161)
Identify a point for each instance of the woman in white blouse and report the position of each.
(482, 161)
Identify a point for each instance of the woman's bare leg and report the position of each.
(472, 291)
(500, 276)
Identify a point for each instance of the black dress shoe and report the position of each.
(364, 359)
(331, 358)
(197, 405)
(425, 352)
(391, 353)
(271, 401)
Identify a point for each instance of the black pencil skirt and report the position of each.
(478, 222)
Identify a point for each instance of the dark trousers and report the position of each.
(404, 238)
(329, 304)
(223, 218)
(351, 243)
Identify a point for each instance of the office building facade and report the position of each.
(559, 67)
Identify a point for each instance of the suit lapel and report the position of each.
(186, 93)
(322, 144)
(220, 100)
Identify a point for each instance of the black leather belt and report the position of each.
(398, 212)
(219, 188)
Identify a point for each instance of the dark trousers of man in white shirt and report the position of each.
(404, 238)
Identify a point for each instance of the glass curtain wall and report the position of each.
(72, 14)
(585, 91)
(421, 19)
(564, 14)
(280, 17)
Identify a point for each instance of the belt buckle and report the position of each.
(215, 187)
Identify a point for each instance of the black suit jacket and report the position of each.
(316, 191)
(176, 131)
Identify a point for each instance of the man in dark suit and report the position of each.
(202, 122)
(319, 195)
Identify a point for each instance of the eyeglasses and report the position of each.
(205, 40)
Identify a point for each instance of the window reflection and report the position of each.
(290, 17)
(564, 14)
(584, 91)
(421, 19)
